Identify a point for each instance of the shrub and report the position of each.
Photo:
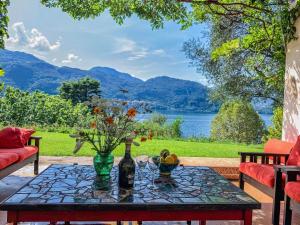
(176, 128)
(158, 118)
(158, 125)
(38, 109)
(275, 131)
(237, 121)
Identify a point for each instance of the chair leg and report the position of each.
(242, 182)
(277, 197)
(287, 219)
(36, 167)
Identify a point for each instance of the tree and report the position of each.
(246, 54)
(237, 74)
(237, 121)
(3, 21)
(80, 91)
(1, 74)
(275, 131)
(155, 11)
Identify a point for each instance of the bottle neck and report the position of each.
(128, 150)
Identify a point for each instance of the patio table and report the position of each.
(70, 193)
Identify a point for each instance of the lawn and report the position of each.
(58, 144)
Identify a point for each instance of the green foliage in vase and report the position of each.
(111, 124)
(22, 108)
(80, 91)
(275, 131)
(237, 121)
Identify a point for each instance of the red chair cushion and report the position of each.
(14, 137)
(294, 158)
(6, 159)
(23, 153)
(26, 134)
(11, 137)
(292, 189)
(264, 174)
(278, 146)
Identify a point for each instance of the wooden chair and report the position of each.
(260, 170)
(24, 159)
(292, 193)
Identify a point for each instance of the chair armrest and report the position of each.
(264, 157)
(290, 171)
(36, 141)
(287, 169)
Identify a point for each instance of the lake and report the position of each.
(197, 124)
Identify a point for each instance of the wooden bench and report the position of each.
(13, 159)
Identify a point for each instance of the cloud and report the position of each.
(32, 39)
(160, 52)
(71, 58)
(133, 50)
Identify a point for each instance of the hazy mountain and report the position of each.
(27, 72)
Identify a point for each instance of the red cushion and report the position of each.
(292, 189)
(23, 153)
(264, 174)
(278, 146)
(7, 159)
(294, 158)
(11, 137)
(26, 134)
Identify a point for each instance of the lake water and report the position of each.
(197, 124)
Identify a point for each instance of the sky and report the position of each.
(133, 47)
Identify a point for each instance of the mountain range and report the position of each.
(30, 73)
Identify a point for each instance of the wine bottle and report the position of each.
(127, 168)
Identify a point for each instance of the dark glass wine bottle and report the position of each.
(127, 168)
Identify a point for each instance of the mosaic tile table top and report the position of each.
(69, 187)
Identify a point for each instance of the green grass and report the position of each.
(59, 144)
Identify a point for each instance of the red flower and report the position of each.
(109, 120)
(93, 125)
(131, 113)
(97, 110)
(143, 139)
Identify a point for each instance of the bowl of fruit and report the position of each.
(166, 162)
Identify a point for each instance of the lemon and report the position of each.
(169, 160)
(175, 158)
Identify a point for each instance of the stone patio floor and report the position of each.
(261, 217)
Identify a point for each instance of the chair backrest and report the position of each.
(294, 158)
(278, 146)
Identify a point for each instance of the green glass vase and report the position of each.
(103, 164)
